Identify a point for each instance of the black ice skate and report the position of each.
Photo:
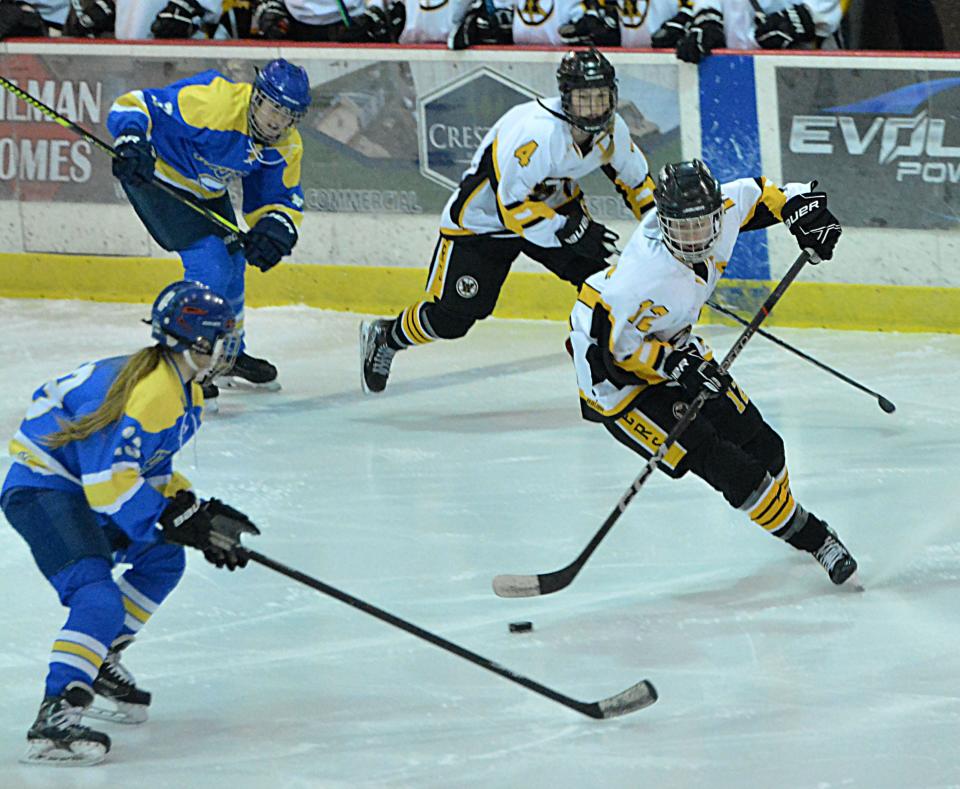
(57, 738)
(835, 558)
(249, 372)
(375, 355)
(115, 684)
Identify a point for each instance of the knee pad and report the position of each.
(727, 468)
(87, 589)
(448, 324)
(767, 447)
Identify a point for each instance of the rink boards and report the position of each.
(391, 130)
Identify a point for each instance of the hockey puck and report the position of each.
(521, 627)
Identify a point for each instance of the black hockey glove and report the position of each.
(179, 19)
(480, 26)
(599, 25)
(228, 525)
(814, 227)
(694, 373)
(89, 18)
(184, 521)
(135, 159)
(672, 31)
(704, 35)
(273, 237)
(587, 238)
(784, 29)
(271, 19)
(20, 20)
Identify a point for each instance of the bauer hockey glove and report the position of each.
(814, 227)
(784, 29)
(272, 238)
(587, 238)
(135, 159)
(704, 35)
(672, 31)
(694, 373)
(89, 18)
(227, 525)
(179, 19)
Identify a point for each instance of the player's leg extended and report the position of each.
(564, 263)
(463, 286)
(70, 549)
(731, 448)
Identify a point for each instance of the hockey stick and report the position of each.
(545, 583)
(882, 401)
(51, 113)
(641, 695)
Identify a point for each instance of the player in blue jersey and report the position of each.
(197, 135)
(92, 485)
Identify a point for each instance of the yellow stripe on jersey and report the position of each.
(632, 392)
(166, 172)
(220, 105)
(108, 495)
(518, 215)
(291, 148)
(254, 216)
(23, 454)
(157, 401)
(133, 102)
(439, 269)
(466, 202)
(640, 199)
(772, 197)
(134, 610)
(649, 435)
(79, 650)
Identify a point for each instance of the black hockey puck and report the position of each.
(521, 627)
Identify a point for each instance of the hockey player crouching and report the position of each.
(520, 194)
(92, 479)
(197, 135)
(638, 364)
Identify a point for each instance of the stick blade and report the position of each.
(516, 586)
(641, 695)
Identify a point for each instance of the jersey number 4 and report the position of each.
(525, 151)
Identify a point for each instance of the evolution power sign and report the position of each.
(885, 143)
(454, 118)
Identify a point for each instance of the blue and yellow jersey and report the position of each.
(199, 130)
(126, 469)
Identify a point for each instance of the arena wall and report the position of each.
(391, 129)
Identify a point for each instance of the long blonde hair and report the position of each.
(134, 370)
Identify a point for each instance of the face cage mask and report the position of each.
(590, 123)
(222, 355)
(259, 99)
(691, 240)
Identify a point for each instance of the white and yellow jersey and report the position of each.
(630, 316)
(525, 172)
(640, 19)
(539, 21)
(432, 20)
(739, 17)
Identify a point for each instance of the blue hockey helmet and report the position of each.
(280, 99)
(188, 317)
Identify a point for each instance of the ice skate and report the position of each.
(249, 372)
(125, 702)
(57, 738)
(836, 559)
(211, 394)
(375, 355)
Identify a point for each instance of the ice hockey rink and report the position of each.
(476, 462)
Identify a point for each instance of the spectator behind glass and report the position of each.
(323, 20)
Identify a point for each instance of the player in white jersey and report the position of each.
(638, 364)
(520, 194)
(343, 21)
(645, 23)
(430, 21)
(756, 24)
(142, 19)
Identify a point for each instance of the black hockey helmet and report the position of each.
(689, 209)
(586, 69)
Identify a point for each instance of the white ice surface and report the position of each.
(475, 462)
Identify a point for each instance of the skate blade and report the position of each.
(211, 406)
(235, 382)
(127, 714)
(853, 583)
(49, 754)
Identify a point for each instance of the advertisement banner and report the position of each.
(382, 136)
(884, 142)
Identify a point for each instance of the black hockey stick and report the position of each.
(51, 113)
(545, 583)
(882, 401)
(641, 695)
